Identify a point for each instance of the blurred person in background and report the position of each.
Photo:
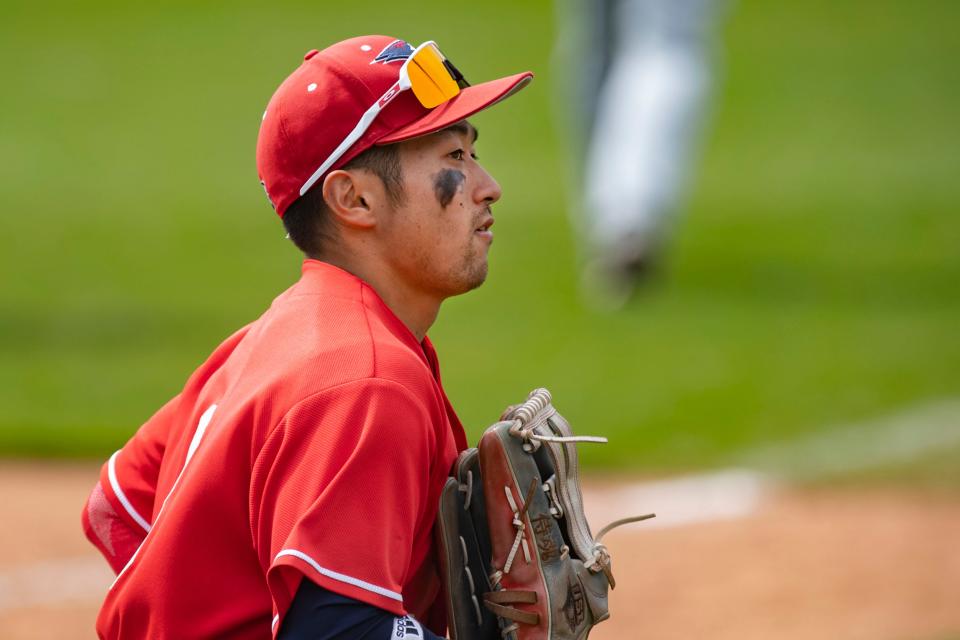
(637, 76)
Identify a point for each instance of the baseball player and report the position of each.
(290, 489)
(640, 92)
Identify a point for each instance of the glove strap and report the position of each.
(495, 601)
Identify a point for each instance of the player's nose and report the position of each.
(488, 189)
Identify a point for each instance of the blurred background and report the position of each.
(801, 328)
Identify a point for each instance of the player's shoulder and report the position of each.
(314, 342)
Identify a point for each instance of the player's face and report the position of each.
(440, 235)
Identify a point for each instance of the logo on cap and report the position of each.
(396, 50)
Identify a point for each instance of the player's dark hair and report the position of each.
(307, 220)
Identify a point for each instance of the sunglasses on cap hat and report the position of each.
(433, 80)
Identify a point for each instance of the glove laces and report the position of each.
(528, 428)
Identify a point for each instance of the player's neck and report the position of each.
(416, 309)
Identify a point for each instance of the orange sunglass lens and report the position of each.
(429, 78)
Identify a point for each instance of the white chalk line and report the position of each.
(898, 438)
(684, 501)
(687, 500)
(893, 439)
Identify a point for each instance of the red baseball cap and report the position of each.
(321, 102)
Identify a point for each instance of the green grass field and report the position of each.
(815, 279)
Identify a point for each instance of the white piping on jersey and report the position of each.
(192, 449)
(276, 619)
(393, 595)
(194, 443)
(121, 496)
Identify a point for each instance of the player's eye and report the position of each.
(457, 155)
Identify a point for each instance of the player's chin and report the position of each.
(474, 276)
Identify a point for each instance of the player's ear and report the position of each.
(352, 197)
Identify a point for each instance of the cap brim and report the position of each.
(469, 101)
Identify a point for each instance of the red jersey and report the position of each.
(313, 442)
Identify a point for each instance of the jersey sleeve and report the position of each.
(339, 492)
(127, 489)
(319, 614)
(113, 536)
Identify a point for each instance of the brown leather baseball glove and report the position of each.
(517, 556)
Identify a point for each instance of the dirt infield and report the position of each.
(845, 565)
